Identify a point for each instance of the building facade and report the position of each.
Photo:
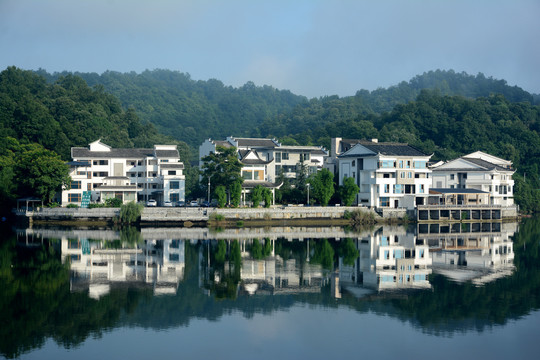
(127, 174)
(389, 175)
(479, 171)
(264, 161)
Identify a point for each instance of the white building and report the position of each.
(127, 174)
(264, 160)
(96, 267)
(391, 175)
(479, 171)
(388, 259)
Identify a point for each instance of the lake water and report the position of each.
(444, 291)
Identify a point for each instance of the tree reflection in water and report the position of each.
(212, 277)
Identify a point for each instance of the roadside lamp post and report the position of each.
(209, 189)
(308, 184)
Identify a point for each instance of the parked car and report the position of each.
(193, 203)
(180, 203)
(167, 203)
(151, 203)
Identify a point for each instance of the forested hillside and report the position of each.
(39, 120)
(190, 110)
(461, 114)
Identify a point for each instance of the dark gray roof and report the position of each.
(116, 178)
(486, 164)
(397, 149)
(386, 148)
(255, 142)
(172, 165)
(250, 184)
(457, 191)
(117, 187)
(258, 161)
(80, 152)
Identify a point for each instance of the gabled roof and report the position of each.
(257, 142)
(137, 153)
(80, 152)
(469, 164)
(251, 157)
(368, 148)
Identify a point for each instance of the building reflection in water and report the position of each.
(273, 261)
(96, 266)
(476, 252)
(389, 259)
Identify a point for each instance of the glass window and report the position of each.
(175, 184)
(278, 157)
(385, 201)
(74, 197)
(285, 156)
(75, 184)
(246, 175)
(172, 172)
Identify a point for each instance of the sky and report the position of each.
(310, 47)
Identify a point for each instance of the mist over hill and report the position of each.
(441, 112)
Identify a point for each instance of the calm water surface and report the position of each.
(464, 291)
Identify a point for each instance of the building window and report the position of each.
(246, 175)
(422, 189)
(172, 172)
(100, 174)
(278, 157)
(285, 156)
(451, 176)
(398, 189)
(409, 175)
(100, 162)
(388, 164)
(408, 164)
(305, 157)
(175, 197)
(74, 197)
(385, 201)
(75, 185)
(386, 188)
(401, 164)
(419, 164)
(175, 184)
(353, 163)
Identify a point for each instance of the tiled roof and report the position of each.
(255, 142)
(388, 148)
(250, 184)
(457, 191)
(486, 164)
(172, 166)
(79, 152)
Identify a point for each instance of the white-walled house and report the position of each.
(389, 175)
(128, 174)
(263, 160)
(479, 171)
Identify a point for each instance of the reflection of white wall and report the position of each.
(389, 259)
(158, 263)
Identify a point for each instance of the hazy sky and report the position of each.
(310, 47)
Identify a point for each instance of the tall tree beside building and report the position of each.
(323, 186)
(222, 168)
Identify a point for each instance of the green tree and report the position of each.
(222, 168)
(236, 193)
(221, 194)
(267, 197)
(40, 172)
(323, 186)
(348, 191)
(256, 196)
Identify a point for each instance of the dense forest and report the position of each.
(442, 112)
